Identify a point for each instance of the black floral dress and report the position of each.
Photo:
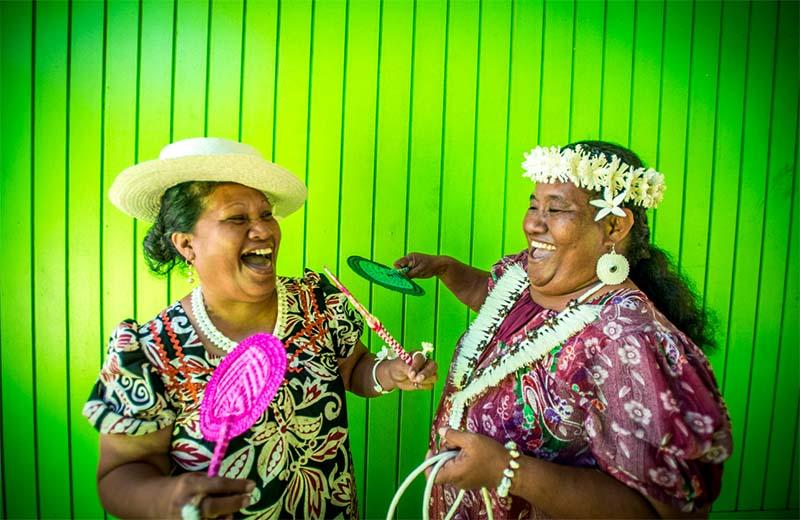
(298, 452)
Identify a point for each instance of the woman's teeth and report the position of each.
(542, 245)
(258, 257)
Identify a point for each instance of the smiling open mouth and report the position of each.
(258, 259)
(540, 250)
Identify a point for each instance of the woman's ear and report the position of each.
(618, 228)
(183, 244)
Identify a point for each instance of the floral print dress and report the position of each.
(629, 395)
(297, 453)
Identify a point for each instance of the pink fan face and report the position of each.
(242, 386)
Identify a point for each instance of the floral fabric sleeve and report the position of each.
(345, 322)
(655, 420)
(129, 395)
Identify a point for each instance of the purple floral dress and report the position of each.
(630, 395)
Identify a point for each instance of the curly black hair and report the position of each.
(181, 206)
(652, 270)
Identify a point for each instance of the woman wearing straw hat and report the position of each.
(580, 390)
(215, 205)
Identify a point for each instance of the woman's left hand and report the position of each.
(480, 461)
(421, 375)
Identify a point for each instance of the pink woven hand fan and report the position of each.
(240, 389)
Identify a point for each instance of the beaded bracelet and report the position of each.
(508, 473)
(380, 357)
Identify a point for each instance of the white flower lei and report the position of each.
(532, 348)
(619, 182)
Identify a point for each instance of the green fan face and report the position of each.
(384, 276)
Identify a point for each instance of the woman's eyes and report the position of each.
(550, 210)
(243, 218)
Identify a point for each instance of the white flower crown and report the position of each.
(619, 182)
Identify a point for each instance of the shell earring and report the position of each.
(189, 272)
(612, 268)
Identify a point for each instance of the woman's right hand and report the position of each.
(421, 265)
(214, 496)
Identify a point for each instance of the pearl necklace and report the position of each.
(573, 319)
(219, 339)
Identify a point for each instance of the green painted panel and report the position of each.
(86, 339)
(355, 202)
(749, 231)
(672, 123)
(20, 494)
(224, 69)
(290, 136)
(646, 78)
(388, 232)
(490, 135)
(119, 139)
(523, 112)
(258, 75)
(325, 137)
(774, 216)
(188, 96)
(49, 255)
(587, 70)
(153, 131)
(421, 231)
(554, 101)
(617, 64)
(725, 175)
(461, 67)
(700, 151)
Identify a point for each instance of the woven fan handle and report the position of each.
(219, 451)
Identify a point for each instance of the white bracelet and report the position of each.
(508, 473)
(381, 356)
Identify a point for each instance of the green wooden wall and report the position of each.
(407, 120)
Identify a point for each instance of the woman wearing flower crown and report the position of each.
(580, 390)
(216, 205)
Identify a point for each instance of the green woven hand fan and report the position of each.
(385, 276)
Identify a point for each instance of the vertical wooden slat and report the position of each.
(554, 101)
(424, 189)
(700, 139)
(20, 495)
(646, 80)
(773, 252)
(327, 71)
(587, 71)
(224, 69)
(457, 165)
(725, 175)
(291, 119)
(355, 201)
(388, 237)
(749, 232)
(188, 83)
(258, 82)
(83, 217)
(49, 256)
(617, 59)
(153, 128)
(490, 142)
(672, 129)
(523, 111)
(119, 140)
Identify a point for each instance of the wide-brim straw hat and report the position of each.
(137, 191)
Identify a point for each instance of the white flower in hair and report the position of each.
(618, 180)
(609, 204)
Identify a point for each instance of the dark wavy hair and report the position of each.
(181, 206)
(652, 270)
